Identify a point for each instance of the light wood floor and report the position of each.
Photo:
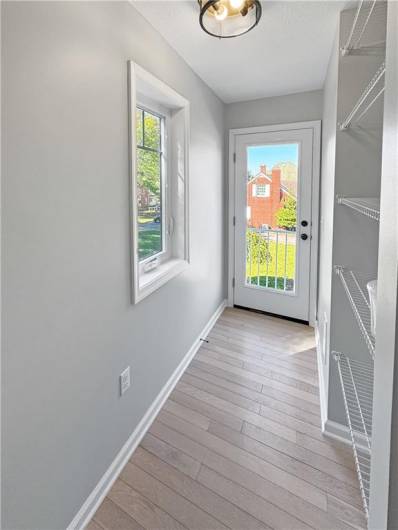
(238, 443)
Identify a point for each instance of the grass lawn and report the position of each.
(149, 243)
(274, 266)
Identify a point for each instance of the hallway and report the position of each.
(238, 443)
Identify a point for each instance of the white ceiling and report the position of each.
(286, 53)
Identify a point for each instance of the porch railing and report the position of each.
(271, 258)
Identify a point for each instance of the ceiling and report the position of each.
(287, 52)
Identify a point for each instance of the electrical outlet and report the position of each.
(124, 380)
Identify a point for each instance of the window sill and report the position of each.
(152, 280)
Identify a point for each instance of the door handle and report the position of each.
(304, 237)
(304, 223)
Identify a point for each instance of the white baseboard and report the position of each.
(322, 389)
(341, 433)
(86, 512)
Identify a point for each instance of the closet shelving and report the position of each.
(354, 284)
(356, 378)
(367, 99)
(364, 205)
(366, 10)
(366, 37)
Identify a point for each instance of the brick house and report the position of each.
(265, 193)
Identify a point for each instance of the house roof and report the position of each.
(268, 177)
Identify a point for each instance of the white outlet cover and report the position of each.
(125, 380)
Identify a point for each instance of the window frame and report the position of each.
(267, 191)
(149, 93)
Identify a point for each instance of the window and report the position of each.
(262, 190)
(159, 125)
(151, 177)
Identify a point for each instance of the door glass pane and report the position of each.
(271, 237)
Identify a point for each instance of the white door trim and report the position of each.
(233, 133)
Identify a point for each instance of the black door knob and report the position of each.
(304, 237)
(304, 223)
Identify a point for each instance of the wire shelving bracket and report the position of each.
(360, 104)
(355, 288)
(370, 207)
(356, 378)
(365, 11)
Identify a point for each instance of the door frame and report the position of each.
(315, 125)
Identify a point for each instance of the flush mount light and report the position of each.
(229, 18)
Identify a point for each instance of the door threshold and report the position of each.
(282, 317)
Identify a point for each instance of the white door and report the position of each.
(273, 198)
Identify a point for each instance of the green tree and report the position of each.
(148, 161)
(257, 248)
(286, 216)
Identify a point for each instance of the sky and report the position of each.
(270, 155)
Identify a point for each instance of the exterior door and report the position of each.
(273, 201)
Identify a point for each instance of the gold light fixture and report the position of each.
(229, 18)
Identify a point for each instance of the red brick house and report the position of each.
(265, 193)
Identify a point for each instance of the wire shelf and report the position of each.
(356, 378)
(366, 206)
(355, 287)
(368, 91)
(366, 10)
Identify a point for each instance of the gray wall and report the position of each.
(305, 106)
(69, 328)
(329, 120)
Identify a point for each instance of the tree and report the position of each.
(286, 216)
(148, 161)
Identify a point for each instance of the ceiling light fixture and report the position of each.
(229, 18)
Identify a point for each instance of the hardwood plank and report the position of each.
(347, 513)
(93, 525)
(279, 496)
(141, 509)
(178, 440)
(294, 423)
(281, 364)
(295, 382)
(222, 393)
(221, 509)
(301, 394)
(181, 509)
(172, 456)
(112, 517)
(282, 342)
(278, 476)
(290, 406)
(321, 480)
(245, 415)
(187, 414)
(207, 410)
(263, 510)
(345, 470)
(334, 451)
(240, 380)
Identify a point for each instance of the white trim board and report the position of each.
(341, 433)
(90, 506)
(323, 397)
(316, 162)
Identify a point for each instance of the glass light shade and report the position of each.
(220, 18)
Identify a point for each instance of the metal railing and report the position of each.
(271, 258)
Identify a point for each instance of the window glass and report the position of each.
(149, 184)
(139, 116)
(152, 137)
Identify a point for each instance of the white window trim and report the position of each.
(145, 284)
